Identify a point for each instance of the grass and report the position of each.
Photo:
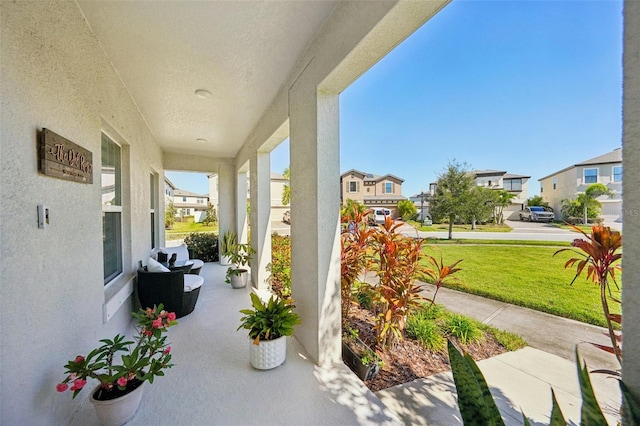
(459, 228)
(525, 276)
(432, 325)
(182, 229)
(439, 241)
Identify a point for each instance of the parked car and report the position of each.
(379, 215)
(536, 214)
(286, 218)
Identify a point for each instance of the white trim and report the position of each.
(584, 175)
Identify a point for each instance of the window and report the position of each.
(200, 201)
(184, 199)
(590, 175)
(617, 173)
(353, 186)
(111, 209)
(541, 188)
(388, 187)
(152, 208)
(555, 183)
(513, 184)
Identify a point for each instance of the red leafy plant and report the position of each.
(149, 357)
(600, 253)
(441, 273)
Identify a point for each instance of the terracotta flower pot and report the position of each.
(117, 411)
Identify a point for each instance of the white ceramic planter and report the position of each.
(225, 260)
(239, 281)
(119, 411)
(269, 353)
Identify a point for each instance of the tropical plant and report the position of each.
(407, 209)
(452, 193)
(589, 199)
(440, 274)
(477, 406)
(240, 256)
(600, 253)
(228, 243)
(280, 266)
(351, 205)
(286, 188)
(502, 200)
(537, 200)
(270, 320)
(148, 358)
(355, 240)
(204, 246)
(397, 264)
(211, 215)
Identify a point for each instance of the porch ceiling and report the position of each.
(241, 52)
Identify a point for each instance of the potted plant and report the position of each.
(227, 246)
(269, 324)
(117, 396)
(359, 357)
(237, 274)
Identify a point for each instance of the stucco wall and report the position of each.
(55, 75)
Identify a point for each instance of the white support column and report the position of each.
(631, 201)
(241, 207)
(227, 198)
(315, 205)
(260, 175)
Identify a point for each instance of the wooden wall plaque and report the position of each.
(63, 159)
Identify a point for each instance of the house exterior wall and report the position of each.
(358, 195)
(56, 75)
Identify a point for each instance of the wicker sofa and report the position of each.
(183, 254)
(175, 290)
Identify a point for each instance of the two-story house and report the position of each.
(190, 204)
(573, 180)
(372, 190)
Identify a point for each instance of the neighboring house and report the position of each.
(169, 189)
(573, 180)
(190, 204)
(372, 190)
(278, 182)
(518, 185)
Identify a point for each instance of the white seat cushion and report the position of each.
(191, 282)
(181, 251)
(155, 266)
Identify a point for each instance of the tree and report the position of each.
(537, 200)
(502, 200)
(211, 215)
(453, 190)
(480, 205)
(286, 189)
(592, 192)
(407, 209)
(170, 213)
(352, 206)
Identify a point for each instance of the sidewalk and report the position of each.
(520, 380)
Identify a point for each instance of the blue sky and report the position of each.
(524, 87)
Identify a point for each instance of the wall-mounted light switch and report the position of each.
(43, 216)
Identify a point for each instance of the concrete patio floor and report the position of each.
(213, 382)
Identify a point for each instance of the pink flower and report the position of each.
(167, 349)
(78, 384)
(171, 316)
(157, 323)
(61, 387)
(122, 381)
(163, 313)
(79, 359)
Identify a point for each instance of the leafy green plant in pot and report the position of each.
(269, 323)
(359, 357)
(227, 246)
(237, 274)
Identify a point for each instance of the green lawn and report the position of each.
(459, 228)
(526, 276)
(182, 229)
(470, 241)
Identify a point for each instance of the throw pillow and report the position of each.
(155, 266)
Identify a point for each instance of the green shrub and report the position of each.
(364, 294)
(280, 266)
(203, 246)
(464, 328)
(426, 331)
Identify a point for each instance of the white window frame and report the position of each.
(613, 174)
(110, 209)
(584, 175)
(384, 188)
(356, 184)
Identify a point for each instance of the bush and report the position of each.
(203, 246)
(465, 329)
(426, 331)
(280, 266)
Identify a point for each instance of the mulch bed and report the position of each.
(408, 360)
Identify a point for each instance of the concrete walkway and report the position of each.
(520, 380)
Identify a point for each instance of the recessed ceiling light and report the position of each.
(201, 140)
(203, 93)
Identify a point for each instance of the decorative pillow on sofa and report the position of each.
(155, 266)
